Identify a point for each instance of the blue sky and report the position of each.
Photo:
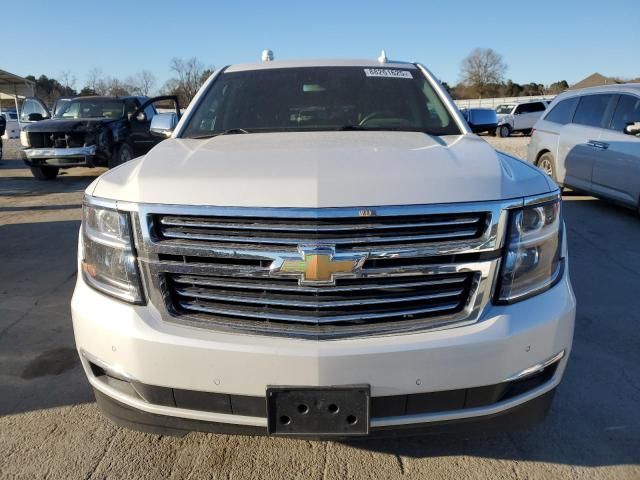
(542, 41)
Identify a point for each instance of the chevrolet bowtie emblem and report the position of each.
(318, 265)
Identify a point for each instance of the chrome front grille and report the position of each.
(423, 267)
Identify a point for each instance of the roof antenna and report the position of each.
(267, 56)
(383, 57)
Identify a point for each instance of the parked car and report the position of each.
(87, 131)
(3, 126)
(12, 128)
(589, 140)
(481, 120)
(518, 117)
(322, 249)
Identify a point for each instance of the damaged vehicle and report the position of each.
(88, 132)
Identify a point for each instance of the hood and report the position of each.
(68, 124)
(321, 169)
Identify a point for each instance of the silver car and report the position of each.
(589, 140)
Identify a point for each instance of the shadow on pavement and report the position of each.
(40, 208)
(39, 367)
(30, 187)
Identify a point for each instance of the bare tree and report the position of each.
(142, 83)
(189, 77)
(482, 67)
(67, 80)
(96, 82)
(115, 87)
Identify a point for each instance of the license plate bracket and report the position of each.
(341, 410)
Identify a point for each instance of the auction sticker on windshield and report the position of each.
(387, 73)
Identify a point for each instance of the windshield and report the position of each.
(320, 98)
(94, 108)
(504, 109)
(59, 106)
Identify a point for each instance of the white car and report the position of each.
(13, 126)
(518, 117)
(322, 249)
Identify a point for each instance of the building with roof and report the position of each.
(597, 80)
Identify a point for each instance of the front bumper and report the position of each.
(133, 343)
(60, 157)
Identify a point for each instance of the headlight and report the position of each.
(533, 260)
(24, 139)
(108, 261)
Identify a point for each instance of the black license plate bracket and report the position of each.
(342, 410)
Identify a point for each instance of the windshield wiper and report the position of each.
(351, 127)
(382, 129)
(231, 131)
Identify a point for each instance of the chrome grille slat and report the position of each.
(250, 313)
(200, 223)
(355, 232)
(314, 304)
(172, 233)
(292, 286)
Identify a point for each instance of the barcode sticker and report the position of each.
(387, 73)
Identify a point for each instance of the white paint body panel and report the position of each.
(135, 341)
(321, 169)
(13, 130)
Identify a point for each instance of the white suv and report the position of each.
(518, 117)
(322, 249)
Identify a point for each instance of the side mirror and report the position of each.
(163, 124)
(632, 128)
(481, 119)
(35, 117)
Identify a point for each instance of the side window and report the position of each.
(132, 105)
(627, 111)
(150, 111)
(32, 105)
(563, 111)
(521, 109)
(591, 110)
(27, 108)
(537, 107)
(72, 111)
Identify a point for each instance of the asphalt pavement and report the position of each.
(50, 426)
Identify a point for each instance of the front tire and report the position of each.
(503, 131)
(548, 166)
(122, 154)
(44, 172)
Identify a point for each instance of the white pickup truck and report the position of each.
(322, 249)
